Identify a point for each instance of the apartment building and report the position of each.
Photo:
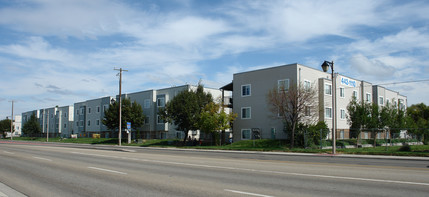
(88, 116)
(250, 99)
(56, 121)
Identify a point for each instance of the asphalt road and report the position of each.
(82, 170)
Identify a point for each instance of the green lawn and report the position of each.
(249, 145)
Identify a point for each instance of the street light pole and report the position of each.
(325, 67)
(120, 104)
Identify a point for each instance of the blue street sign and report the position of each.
(128, 125)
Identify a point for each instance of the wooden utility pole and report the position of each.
(120, 103)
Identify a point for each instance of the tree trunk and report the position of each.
(185, 138)
(292, 140)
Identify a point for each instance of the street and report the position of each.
(39, 169)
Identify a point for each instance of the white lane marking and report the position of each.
(41, 158)
(246, 193)
(106, 170)
(8, 152)
(261, 171)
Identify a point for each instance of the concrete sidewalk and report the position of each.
(6, 191)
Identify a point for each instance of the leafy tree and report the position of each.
(310, 134)
(357, 117)
(5, 126)
(292, 105)
(131, 112)
(214, 119)
(185, 109)
(32, 126)
(419, 118)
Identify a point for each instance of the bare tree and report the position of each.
(293, 104)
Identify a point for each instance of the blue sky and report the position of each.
(61, 52)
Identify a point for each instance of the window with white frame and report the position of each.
(342, 114)
(98, 109)
(89, 110)
(245, 134)
(283, 85)
(342, 93)
(328, 89)
(89, 122)
(147, 103)
(368, 97)
(246, 90)
(160, 102)
(328, 112)
(307, 85)
(81, 123)
(355, 94)
(342, 134)
(97, 122)
(380, 100)
(365, 136)
(105, 107)
(159, 120)
(307, 111)
(387, 101)
(246, 112)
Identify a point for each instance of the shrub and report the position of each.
(405, 148)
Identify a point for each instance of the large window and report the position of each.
(328, 89)
(245, 134)
(246, 90)
(343, 114)
(246, 113)
(355, 94)
(342, 93)
(307, 85)
(307, 111)
(160, 102)
(328, 112)
(368, 97)
(380, 100)
(283, 85)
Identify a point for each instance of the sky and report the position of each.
(59, 52)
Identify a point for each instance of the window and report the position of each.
(160, 102)
(97, 122)
(89, 110)
(77, 112)
(328, 89)
(342, 93)
(328, 112)
(81, 123)
(401, 104)
(245, 113)
(355, 94)
(381, 100)
(378, 135)
(82, 111)
(147, 103)
(105, 107)
(343, 114)
(159, 120)
(283, 85)
(245, 90)
(245, 134)
(89, 123)
(368, 97)
(65, 114)
(342, 134)
(307, 85)
(98, 109)
(77, 123)
(65, 126)
(146, 120)
(387, 102)
(307, 111)
(365, 135)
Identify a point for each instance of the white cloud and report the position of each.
(373, 67)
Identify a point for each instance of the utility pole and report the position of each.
(120, 102)
(11, 123)
(47, 128)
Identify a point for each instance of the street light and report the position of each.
(325, 67)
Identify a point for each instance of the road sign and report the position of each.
(128, 125)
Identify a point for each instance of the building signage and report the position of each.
(348, 82)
